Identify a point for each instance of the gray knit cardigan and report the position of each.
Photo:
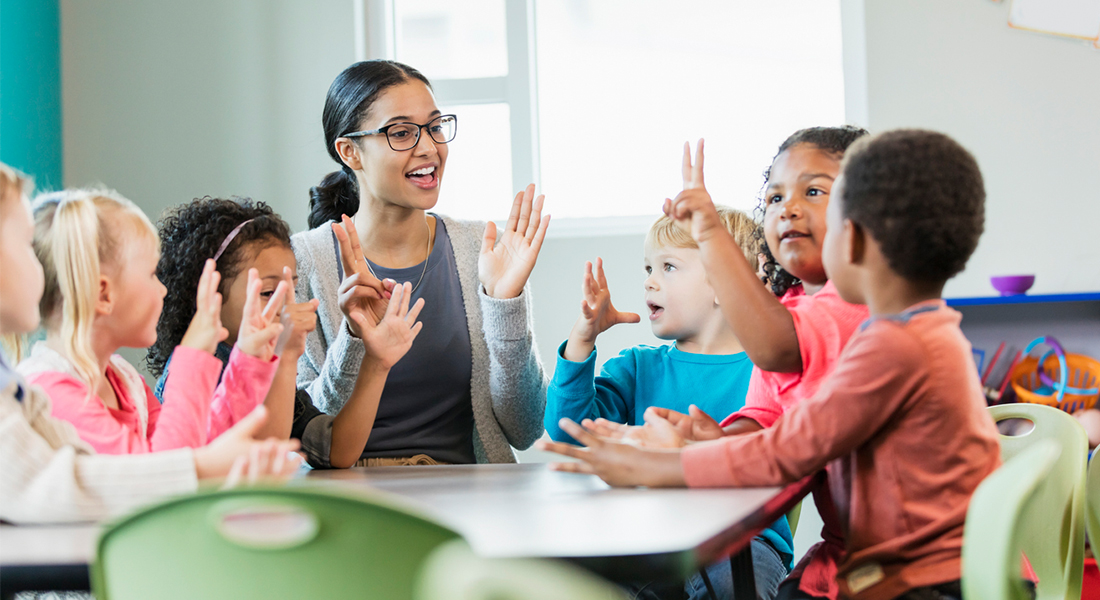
(507, 382)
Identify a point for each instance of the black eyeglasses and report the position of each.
(405, 136)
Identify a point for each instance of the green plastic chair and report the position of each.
(279, 543)
(1004, 514)
(1092, 504)
(453, 572)
(1054, 537)
(793, 516)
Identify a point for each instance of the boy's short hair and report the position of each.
(665, 232)
(920, 195)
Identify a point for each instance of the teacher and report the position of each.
(472, 386)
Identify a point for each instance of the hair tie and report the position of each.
(229, 239)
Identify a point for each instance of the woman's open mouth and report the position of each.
(423, 178)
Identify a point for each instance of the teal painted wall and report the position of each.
(30, 89)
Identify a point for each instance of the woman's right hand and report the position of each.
(363, 298)
(389, 339)
(206, 331)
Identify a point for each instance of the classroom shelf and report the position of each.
(1024, 299)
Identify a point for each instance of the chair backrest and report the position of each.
(997, 523)
(453, 572)
(793, 515)
(1092, 504)
(298, 542)
(1054, 538)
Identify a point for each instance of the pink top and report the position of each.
(823, 323)
(903, 426)
(196, 408)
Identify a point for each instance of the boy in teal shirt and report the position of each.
(705, 367)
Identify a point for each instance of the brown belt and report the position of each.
(417, 460)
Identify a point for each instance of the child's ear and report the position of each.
(105, 301)
(349, 153)
(856, 237)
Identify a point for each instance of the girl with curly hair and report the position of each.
(243, 236)
(99, 253)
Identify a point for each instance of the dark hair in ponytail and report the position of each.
(348, 102)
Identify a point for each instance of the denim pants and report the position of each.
(769, 570)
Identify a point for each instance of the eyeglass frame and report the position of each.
(385, 130)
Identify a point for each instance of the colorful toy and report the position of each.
(1074, 386)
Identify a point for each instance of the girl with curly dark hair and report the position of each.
(244, 236)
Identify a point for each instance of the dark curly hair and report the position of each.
(834, 140)
(192, 233)
(921, 197)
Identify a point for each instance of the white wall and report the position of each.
(168, 101)
(1026, 104)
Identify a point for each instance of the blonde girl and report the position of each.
(99, 253)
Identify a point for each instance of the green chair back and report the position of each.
(1054, 537)
(1092, 502)
(1001, 516)
(793, 515)
(453, 572)
(292, 543)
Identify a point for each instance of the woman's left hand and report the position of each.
(504, 267)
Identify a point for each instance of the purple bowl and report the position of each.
(1012, 285)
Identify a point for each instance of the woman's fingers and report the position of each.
(536, 218)
(513, 216)
(415, 311)
(399, 301)
(540, 234)
(489, 239)
(525, 210)
(347, 259)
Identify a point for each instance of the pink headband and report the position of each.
(229, 239)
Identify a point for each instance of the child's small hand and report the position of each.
(302, 319)
(260, 326)
(660, 435)
(693, 210)
(205, 330)
(696, 426)
(598, 314)
(619, 464)
(389, 339)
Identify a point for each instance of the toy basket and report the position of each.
(1084, 372)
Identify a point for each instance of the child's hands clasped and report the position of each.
(206, 331)
(260, 326)
(617, 463)
(598, 314)
(389, 339)
(692, 209)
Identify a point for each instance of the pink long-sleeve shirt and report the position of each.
(903, 426)
(196, 407)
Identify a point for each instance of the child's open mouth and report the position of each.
(792, 236)
(424, 177)
(655, 311)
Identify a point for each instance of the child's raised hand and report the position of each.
(619, 464)
(693, 210)
(361, 293)
(205, 330)
(260, 326)
(389, 339)
(302, 318)
(598, 314)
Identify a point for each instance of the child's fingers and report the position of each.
(697, 170)
(666, 207)
(288, 277)
(215, 280)
(234, 477)
(629, 317)
(587, 311)
(275, 303)
(579, 433)
(414, 312)
(561, 448)
(601, 278)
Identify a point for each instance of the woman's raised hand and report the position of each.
(692, 209)
(389, 339)
(205, 330)
(363, 298)
(260, 326)
(505, 266)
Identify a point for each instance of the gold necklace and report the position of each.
(427, 253)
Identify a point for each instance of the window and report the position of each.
(621, 84)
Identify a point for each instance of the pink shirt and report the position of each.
(196, 408)
(903, 426)
(823, 323)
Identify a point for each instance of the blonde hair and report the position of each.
(77, 233)
(13, 186)
(666, 233)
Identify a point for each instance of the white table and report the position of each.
(503, 511)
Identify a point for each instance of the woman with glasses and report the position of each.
(472, 386)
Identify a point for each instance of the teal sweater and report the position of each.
(661, 376)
